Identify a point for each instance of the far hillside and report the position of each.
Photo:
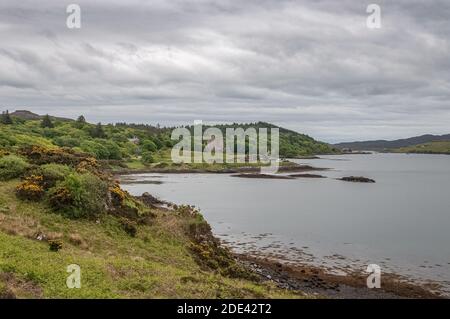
(383, 145)
(441, 147)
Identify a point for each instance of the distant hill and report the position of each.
(381, 145)
(436, 147)
(27, 115)
(292, 144)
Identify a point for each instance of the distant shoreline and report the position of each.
(292, 168)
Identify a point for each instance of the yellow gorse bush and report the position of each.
(31, 188)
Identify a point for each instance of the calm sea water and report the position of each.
(402, 222)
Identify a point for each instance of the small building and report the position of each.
(135, 140)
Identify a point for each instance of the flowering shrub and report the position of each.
(31, 188)
(60, 198)
(117, 194)
(42, 155)
(79, 196)
(89, 164)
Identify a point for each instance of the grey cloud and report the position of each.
(312, 66)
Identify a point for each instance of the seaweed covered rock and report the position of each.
(357, 179)
(150, 200)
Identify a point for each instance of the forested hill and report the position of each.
(292, 144)
(121, 141)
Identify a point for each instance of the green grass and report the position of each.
(163, 161)
(135, 163)
(438, 147)
(156, 263)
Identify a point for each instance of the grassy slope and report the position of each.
(438, 147)
(155, 264)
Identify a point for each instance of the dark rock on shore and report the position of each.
(150, 200)
(307, 175)
(306, 157)
(265, 176)
(145, 182)
(357, 179)
(291, 168)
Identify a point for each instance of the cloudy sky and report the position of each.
(312, 66)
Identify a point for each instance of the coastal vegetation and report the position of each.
(127, 146)
(159, 254)
(61, 205)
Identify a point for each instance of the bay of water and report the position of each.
(402, 222)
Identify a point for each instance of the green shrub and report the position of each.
(3, 152)
(96, 149)
(114, 152)
(53, 173)
(47, 122)
(12, 166)
(97, 131)
(67, 141)
(147, 158)
(158, 142)
(149, 146)
(130, 227)
(102, 149)
(79, 196)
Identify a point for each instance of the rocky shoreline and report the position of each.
(316, 281)
(292, 168)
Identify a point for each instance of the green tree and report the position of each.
(147, 158)
(158, 142)
(149, 146)
(47, 122)
(81, 119)
(6, 119)
(97, 131)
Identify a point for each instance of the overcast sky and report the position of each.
(311, 66)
